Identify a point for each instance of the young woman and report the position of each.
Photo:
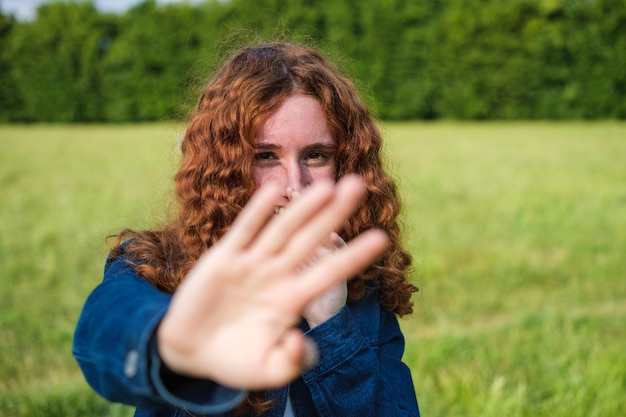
(250, 302)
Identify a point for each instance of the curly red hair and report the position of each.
(215, 178)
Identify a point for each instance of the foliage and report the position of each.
(454, 59)
(9, 97)
(55, 63)
(518, 231)
(149, 61)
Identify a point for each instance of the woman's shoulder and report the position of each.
(118, 255)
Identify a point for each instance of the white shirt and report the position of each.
(289, 407)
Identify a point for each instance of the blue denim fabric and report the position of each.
(360, 372)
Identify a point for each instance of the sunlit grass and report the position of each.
(64, 189)
(518, 232)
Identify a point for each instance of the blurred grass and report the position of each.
(518, 232)
(63, 190)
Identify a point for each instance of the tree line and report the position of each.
(422, 59)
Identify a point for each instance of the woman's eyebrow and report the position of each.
(321, 145)
(315, 145)
(265, 146)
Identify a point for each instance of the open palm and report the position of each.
(232, 319)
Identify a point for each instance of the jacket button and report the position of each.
(131, 363)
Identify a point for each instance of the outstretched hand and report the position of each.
(232, 319)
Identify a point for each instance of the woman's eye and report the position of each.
(264, 156)
(318, 158)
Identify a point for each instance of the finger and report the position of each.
(281, 229)
(346, 262)
(331, 217)
(310, 356)
(287, 358)
(327, 247)
(253, 217)
(337, 241)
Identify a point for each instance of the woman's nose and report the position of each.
(296, 180)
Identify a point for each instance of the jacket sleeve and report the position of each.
(115, 346)
(361, 372)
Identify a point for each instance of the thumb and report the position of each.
(293, 354)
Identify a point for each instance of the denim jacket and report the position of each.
(359, 373)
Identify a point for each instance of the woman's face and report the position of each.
(295, 147)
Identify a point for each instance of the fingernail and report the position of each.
(337, 241)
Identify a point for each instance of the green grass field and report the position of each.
(518, 232)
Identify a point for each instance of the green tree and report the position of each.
(10, 100)
(150, 64)
(55, 63)
(457, 59)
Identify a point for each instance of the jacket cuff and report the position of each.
(338, 339)
(194, 394)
